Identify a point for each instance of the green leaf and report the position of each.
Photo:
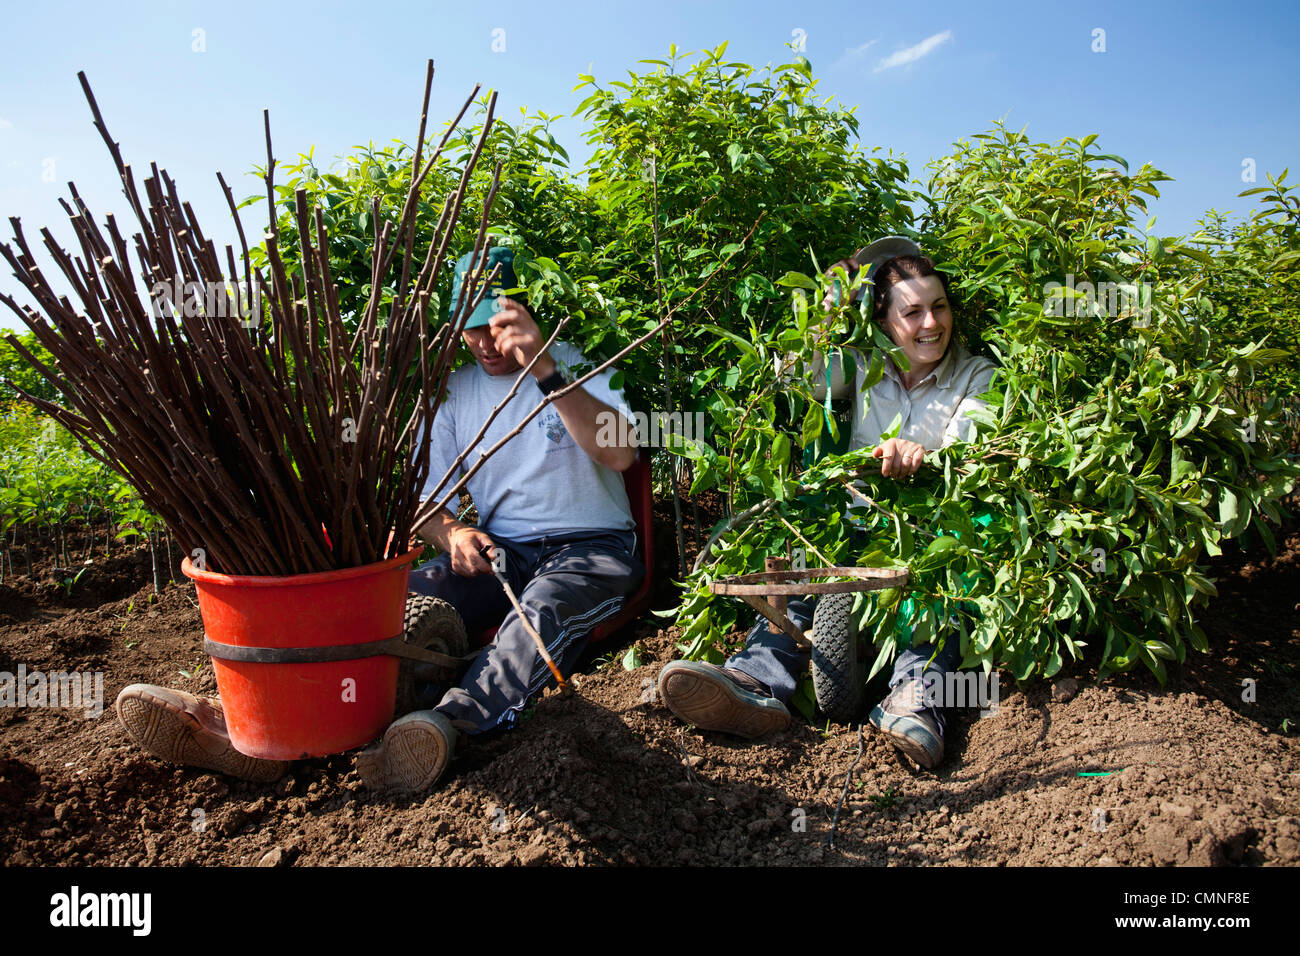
(903, 531)
(797, 280)
(939, 553)
(1183, 425)
(894, 427)
(781, 451)
(1227, 508)
(805, 699)
(745, 346)
(1161, 649)
(812, 424)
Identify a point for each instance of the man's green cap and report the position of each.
(505, 279)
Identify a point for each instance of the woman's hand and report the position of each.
(899, 457)
(849, 266)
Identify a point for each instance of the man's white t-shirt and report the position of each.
(540, 482)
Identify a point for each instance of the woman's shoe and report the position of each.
(911, 727)
(721, 698)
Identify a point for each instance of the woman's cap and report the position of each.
(872, 257)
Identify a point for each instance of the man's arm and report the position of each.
(463, 542)
(513, 328)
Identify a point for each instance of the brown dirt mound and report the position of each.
(1196, 774)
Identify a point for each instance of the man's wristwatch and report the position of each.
(552, 382)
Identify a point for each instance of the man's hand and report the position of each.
(467, 545)
(515, 334)
(899, 457)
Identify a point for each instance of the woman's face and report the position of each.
(919, 320)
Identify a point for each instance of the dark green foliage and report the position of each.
(1121, 444)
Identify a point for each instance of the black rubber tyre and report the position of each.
(836, 669)
(433, 624)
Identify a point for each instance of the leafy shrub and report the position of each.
(1118, 450)
(52, 490)
(15, 371)
(1249, 280)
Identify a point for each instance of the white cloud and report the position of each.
(857, 51)
(5, 124)
(913, 53)
(854, 54)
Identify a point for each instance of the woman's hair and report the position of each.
(896, 270)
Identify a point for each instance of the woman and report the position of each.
(749, 695)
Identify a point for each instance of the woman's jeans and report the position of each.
(778, 662)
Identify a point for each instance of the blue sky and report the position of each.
(1193, 88)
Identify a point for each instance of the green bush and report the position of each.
(16, 371)
(1120, 447)
(1249, 280)
(52, 490)
(1127, 435)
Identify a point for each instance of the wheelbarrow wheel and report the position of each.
(433, 624)
(836, 669)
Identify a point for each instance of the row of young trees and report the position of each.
(1123, 444)
(58, 501)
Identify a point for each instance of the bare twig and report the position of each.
(560, 682)
(829, 839)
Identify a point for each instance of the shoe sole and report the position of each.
(411, 757)
(711, 702)
(157, 720)
(919, 744)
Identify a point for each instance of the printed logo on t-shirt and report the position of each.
(553, 425)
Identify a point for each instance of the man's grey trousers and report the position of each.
(567, 584)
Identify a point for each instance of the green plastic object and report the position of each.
(824, 445)
(908, 610)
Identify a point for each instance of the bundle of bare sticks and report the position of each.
(241, 408)
(243, 411)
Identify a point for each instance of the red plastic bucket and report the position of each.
(282, 711)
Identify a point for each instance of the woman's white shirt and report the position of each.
(933, 411)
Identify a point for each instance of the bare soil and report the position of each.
(1195, 773)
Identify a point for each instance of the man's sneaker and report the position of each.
(182, 728)
(718, 698)
(412, 755)
(911, 727)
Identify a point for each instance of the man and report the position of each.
(748, 696)
(552, 499)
